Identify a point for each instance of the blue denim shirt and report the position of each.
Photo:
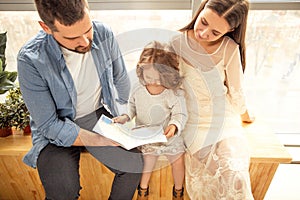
(49, 91)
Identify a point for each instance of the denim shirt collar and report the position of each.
(54, 45)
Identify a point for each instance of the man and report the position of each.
(68, 75)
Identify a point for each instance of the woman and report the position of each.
(212, 50)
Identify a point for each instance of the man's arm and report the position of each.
(120, 75)
(87, 138)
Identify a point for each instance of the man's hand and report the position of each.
(170, 131)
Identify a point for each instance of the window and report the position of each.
(273, 50)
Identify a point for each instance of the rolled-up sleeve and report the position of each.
(58, 129)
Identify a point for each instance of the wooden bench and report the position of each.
(18, 181)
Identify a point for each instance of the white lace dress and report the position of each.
(217, 160)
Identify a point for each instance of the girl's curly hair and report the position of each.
(161, 57)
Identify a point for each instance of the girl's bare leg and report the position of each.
(149, 163)
(177, 163)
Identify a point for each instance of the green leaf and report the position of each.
(7, 81)
(12, 76)
(3, 40)
(3, 76)
(5, 86)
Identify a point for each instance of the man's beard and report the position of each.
(81, 49)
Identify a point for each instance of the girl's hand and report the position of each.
(170, 131)
(122, 119)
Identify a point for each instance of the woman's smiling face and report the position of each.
(209, 26)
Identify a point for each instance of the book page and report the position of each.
(129, 137)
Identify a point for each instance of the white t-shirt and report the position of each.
(86, 80)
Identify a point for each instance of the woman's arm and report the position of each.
(234, 82)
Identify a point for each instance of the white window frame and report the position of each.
(28, 5)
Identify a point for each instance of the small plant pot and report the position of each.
(4, 132)
(27, 130)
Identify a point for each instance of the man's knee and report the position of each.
(63, 192)
(118, 159)
(127, 175)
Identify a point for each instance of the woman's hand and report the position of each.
(170, 131)
(122, 119)
(246, 118)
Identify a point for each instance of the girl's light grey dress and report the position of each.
(165, 108)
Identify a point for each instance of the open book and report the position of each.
(129, 137)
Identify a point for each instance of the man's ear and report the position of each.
(45, 27)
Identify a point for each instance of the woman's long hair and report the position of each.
(235, 13)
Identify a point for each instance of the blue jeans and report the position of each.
(58, 167)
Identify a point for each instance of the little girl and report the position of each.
(157, 99)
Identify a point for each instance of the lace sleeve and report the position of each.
(234, 81)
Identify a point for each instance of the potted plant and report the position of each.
(20, 117)
(5, 120)
(6, 78)
(13, 111)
